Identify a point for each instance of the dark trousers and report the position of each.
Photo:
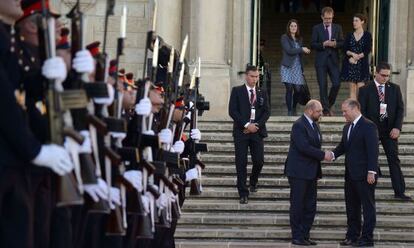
(15, 213)
(359, 193)
(391, 151)
(331, 69)
(241, 144)
(41, 202)
(291, 97)
(302, 206)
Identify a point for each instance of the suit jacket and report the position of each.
(289, 51)
(369, 100)
(361, 150)
(305, 154)
(239, 110)
(322, 53)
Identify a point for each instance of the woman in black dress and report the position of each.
(357, 47)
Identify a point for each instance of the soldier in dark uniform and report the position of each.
(20, 148)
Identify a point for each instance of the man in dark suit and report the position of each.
(359, 143)
(249, 109)
(303, 168)
(327, 39)
(382, 102)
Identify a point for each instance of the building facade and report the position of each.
(221, 32)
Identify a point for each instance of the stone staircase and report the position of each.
(216, 219)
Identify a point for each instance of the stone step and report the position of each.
(218, 170)
(213, 206)
(283, 182)
(275, 149)
(405, 160)
(250, 220)
(277, 233)
(286, 127)
(215, 193)
(281, 137)
(240, 243)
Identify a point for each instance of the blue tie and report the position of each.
(326, 32)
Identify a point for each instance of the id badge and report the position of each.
(252, 114)
(383, 108)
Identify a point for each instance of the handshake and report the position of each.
(329, 156)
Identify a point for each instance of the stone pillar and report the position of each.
(208, 33)
(169, 21)
(240, 45)
(397, 49)
(410, 61)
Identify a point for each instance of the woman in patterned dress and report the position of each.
(357, 47)
(291, 69)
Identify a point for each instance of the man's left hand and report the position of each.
(395, 133)
(371, 178)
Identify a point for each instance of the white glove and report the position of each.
(106, 100)
(83, 62)
(54, 157)
(115, 197)
(135, 178)
(174, 198)
(96, 191)
(195, 134)
(149, 132)
(191, 174)
(178, 147)
(55, 69)
(146, 203)
(86, 146)
(162, 201)
(143, 107)
(165, 136)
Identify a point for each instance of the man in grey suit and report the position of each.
(327, 39)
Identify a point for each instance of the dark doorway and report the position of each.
(274, 15)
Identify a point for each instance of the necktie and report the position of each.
(252, 97)
(350, 130)
(381, 93)
(316, 129)
(326, 32)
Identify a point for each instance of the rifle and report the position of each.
(83, 119)
(69, 188)
(150, 35)
(195, 147)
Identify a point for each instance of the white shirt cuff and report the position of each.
(373, 172)
(247, 124)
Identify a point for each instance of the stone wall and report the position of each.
(139, 16)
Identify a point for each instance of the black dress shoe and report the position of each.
(253, 188)
(244, 200)
(348, 242)
(300, 242)
(403, 197)
(311, 242)
(363, 243)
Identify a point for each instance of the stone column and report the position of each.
(410, 61)
(169, 21)
(207, 25)
(397, 49)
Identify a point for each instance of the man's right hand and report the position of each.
(54, 157)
